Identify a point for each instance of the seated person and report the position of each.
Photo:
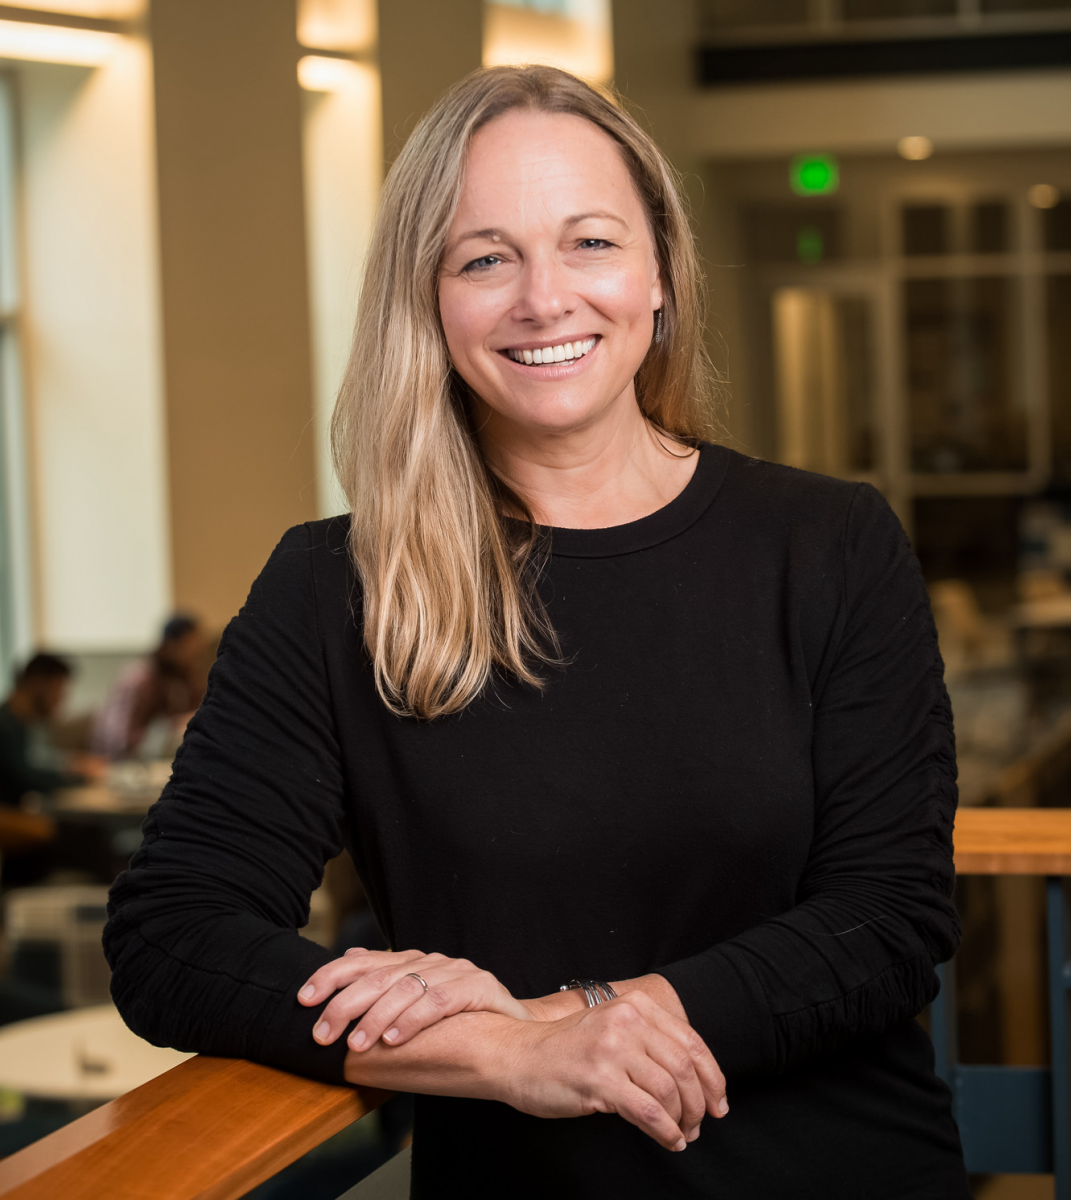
(28, 764)
(167, 684)
(27, 761)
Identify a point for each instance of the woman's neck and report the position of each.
(609, 474)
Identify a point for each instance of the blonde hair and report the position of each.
(449, 586)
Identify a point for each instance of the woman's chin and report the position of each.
(555, 418)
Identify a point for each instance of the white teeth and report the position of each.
(564, 352)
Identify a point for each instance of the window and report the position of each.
(14, 523)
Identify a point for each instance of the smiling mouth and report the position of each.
(563, 352)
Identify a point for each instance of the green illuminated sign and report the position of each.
(810, 245)
(814, 174)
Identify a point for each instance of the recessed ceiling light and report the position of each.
(317, 73)
(914, 148)
(55, 44)
(1043, 195)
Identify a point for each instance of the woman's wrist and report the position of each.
(556, 1005)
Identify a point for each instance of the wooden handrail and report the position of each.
(1013, 841)
(209, 1129)
(213, 1128)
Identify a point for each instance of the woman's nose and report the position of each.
(546, 294)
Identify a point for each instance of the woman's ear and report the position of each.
(656, 291)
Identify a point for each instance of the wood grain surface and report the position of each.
(209, 1129)
(1013, 841)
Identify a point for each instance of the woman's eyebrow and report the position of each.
(599, 215)
(491, 235)
(498, 235)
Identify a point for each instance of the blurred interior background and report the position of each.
(882, 193)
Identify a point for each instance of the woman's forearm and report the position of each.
(466, 1055)
(472, 1053)
(620, 1058)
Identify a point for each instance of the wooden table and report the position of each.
(1052, 612)
(1014, 1120)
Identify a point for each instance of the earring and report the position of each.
(658, 327)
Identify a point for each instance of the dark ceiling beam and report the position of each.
(901, 56)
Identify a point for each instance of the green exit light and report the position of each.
(814, 174)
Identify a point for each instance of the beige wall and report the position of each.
(424, 47)
(235, 301)
(91, 351)
(958, 112)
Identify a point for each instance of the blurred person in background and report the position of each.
(28, 761)
(164, 686)
(31, 766)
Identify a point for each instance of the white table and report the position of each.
(84, 1054)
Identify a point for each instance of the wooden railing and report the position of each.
(209, 1129)
(213, 1128)
(1015, 1119)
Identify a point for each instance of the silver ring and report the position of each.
(420, 979)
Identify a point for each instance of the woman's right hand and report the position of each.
(629, 1056)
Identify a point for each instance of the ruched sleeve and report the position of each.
(202, 937)
(856, 954)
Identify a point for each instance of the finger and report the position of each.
(641, 1109)
(690, 1105)
(354, 964)
(353, 1001)
(397, 1009)
(651, 1077)
(706, 1066)
(329, 977)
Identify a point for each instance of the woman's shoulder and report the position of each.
(788, 498)
(777, 483)
(323, 543)
(310, 565)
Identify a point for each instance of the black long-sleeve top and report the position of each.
(743, 778)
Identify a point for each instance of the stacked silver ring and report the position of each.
(596, 991)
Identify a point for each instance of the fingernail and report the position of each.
(723, 1107)
(680, 1145)
(693, 1135)
(322, 1031)
(390, 1035)
(307, 992)
(358, 1039)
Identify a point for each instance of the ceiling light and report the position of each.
(317, 73)
(914, 149)
(55, 44)
(1043, 195)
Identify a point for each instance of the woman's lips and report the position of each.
(559, 368)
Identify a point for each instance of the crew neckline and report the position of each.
(664, 523)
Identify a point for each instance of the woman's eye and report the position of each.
(594, 244)
(481, 264)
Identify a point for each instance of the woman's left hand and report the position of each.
(382, 985)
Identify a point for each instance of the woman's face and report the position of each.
(550, 258)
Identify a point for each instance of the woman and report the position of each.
(585, 695)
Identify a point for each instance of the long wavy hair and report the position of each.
(448, 584)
